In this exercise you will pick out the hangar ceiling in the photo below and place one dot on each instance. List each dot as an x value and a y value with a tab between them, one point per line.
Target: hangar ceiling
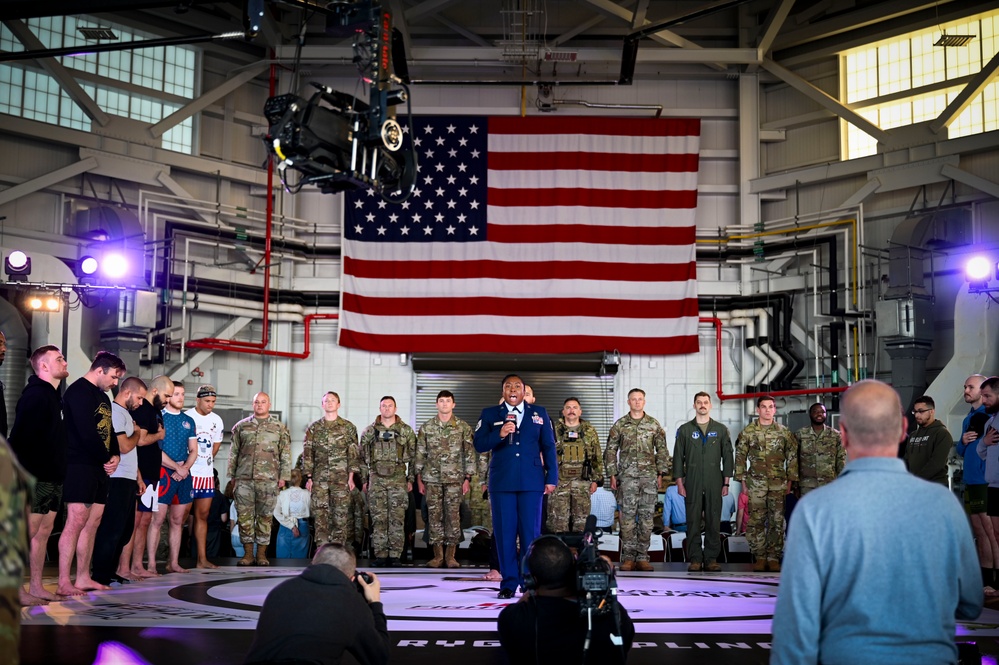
567	42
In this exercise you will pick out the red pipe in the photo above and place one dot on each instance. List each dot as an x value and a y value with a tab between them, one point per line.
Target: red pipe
309	318
225	344
717	323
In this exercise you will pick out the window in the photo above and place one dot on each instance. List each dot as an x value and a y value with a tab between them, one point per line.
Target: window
908	80
33	94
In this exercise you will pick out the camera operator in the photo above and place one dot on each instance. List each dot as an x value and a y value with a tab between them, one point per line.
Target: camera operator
317	616
549	624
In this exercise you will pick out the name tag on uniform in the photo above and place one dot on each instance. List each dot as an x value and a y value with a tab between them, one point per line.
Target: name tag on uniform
712	434
499	424
538	420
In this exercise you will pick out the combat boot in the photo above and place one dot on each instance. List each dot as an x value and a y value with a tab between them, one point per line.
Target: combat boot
627	565
438	557
774	565
247	559
262	556
760	565
449	559
644	566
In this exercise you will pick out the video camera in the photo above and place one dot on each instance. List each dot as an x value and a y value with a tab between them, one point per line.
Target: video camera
596	585
336	141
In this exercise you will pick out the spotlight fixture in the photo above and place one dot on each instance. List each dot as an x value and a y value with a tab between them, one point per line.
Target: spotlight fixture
115	266
17	266
978	271
88	265
44	302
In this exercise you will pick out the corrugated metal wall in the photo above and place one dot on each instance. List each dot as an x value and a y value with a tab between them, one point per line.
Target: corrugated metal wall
474	391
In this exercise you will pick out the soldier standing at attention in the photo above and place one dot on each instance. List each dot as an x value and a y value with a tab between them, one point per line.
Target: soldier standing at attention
577	447
636	459
388	449
445	463
259	463
702	466
329	460
772	454
821	456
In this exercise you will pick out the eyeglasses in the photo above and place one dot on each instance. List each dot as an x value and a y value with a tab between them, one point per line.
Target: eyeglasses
920	411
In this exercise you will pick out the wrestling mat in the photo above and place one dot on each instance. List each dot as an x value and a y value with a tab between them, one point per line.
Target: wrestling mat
208	616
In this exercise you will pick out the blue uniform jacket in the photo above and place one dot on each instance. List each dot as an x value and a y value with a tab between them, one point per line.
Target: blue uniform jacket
517	466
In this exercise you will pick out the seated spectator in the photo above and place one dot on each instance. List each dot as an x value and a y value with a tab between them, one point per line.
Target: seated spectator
320	615
742	515
291	510
546	625
604	506
674	509
728	508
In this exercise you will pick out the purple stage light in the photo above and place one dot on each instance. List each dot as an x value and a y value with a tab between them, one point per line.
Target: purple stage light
978	269
115	266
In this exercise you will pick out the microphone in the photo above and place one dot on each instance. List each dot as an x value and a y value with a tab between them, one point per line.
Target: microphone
511	417
590	529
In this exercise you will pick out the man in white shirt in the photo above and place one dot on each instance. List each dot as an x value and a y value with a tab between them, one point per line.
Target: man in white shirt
209	428
603	505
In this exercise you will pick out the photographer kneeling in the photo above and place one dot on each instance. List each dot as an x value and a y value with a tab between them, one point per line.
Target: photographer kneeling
549	623
318	615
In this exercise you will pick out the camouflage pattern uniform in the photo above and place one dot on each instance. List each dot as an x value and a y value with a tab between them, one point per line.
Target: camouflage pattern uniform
387	461
643	456
482	514
358	524
16	487
772	454
445	459
259	457
821	457
579	465
329	457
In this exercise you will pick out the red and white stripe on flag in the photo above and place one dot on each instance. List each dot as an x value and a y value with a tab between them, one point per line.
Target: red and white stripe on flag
530	235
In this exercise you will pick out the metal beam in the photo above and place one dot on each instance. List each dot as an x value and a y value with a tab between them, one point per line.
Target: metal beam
872	186
774	23
428	7
207	99
828	101
666	37
638	20
176	189
967	95
463	31
971	180
43	181
57	71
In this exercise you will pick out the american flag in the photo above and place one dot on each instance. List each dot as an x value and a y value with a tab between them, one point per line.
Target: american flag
530	235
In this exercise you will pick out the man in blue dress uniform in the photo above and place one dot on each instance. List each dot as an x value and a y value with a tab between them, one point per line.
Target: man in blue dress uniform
522	468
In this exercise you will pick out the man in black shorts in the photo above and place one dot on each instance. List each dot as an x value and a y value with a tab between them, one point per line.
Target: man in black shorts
91	457
149	420
38	438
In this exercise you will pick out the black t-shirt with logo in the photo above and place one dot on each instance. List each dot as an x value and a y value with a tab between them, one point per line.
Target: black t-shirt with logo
150	419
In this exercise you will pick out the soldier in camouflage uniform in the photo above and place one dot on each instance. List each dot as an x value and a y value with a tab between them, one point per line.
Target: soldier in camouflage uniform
16	486
702	466
772	454
259	463
329	460
388	449
821	456
445	463
635	461
579	465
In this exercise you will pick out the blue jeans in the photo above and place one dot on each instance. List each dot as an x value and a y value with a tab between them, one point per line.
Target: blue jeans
290	547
